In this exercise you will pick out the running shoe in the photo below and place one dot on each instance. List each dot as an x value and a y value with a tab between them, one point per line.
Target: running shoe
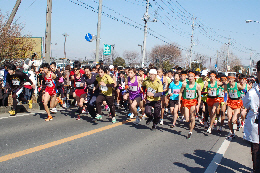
94	120
143	116
84	111
173	125
12	113
154	127
131	115
206	124
78	117
64	105
189	135
165	113
209	130
98	117
49	118
148	121
53	110
114	120
161	122
137	121
166	110
231	136
138	109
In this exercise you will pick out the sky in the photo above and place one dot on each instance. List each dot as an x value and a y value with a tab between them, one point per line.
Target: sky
215	21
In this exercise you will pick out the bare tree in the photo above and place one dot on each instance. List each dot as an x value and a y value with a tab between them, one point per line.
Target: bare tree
165	56
131	58
233	60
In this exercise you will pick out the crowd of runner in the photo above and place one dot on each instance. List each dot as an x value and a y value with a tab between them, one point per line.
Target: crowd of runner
146	94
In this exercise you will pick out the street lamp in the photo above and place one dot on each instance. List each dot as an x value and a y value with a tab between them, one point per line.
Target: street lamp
248	21
141	51
65	36
51	50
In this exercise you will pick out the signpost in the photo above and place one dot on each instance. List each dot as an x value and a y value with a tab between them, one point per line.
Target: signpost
107	49
89	37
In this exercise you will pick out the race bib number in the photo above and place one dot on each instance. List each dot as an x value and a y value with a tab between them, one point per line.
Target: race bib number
15	82
133	88
242	95
49	84
151	90
176	91
221	94
91	86
233	95
190	94
103	88
77	84
212	93
123	85
164	86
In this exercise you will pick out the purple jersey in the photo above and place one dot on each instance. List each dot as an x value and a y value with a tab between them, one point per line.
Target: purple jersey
134	89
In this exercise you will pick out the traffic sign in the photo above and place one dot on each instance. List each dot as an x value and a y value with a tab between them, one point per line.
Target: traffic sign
89	37
107	49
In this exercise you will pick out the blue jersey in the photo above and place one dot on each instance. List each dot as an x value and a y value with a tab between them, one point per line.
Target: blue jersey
175	90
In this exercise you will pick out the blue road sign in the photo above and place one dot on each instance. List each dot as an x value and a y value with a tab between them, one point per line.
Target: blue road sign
89	37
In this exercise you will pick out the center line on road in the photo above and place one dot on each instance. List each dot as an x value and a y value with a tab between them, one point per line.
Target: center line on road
58	142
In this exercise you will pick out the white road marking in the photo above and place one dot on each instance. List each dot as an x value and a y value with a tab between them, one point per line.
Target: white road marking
217	158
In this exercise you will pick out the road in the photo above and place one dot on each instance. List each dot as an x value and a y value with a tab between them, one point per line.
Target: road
29	144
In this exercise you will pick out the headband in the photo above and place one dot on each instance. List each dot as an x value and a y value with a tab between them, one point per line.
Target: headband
232	77
192	73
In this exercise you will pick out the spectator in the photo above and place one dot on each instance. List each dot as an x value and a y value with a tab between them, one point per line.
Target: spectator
251	103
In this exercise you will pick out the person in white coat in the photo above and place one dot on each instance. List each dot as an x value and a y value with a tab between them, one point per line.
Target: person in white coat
251	103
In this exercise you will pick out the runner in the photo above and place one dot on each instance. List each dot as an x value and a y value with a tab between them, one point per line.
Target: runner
79	86
243	82
92	92
154	91
213	97
134	89
164	81
49	94
190	101
59	87
174	90
14	84
106	85
203	111
234	103
222	100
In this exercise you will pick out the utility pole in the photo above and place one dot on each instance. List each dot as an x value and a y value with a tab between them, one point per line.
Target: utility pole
98	30
146	19
191	40
65	36
48	31
10	20
227	54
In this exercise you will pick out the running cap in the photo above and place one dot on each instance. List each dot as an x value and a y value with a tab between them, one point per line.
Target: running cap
153	71
111	67
204	73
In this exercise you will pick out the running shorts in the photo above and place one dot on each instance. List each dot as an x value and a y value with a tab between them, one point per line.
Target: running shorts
189	103
235	104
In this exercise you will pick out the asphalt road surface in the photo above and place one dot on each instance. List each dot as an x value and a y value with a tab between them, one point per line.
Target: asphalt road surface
29	144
